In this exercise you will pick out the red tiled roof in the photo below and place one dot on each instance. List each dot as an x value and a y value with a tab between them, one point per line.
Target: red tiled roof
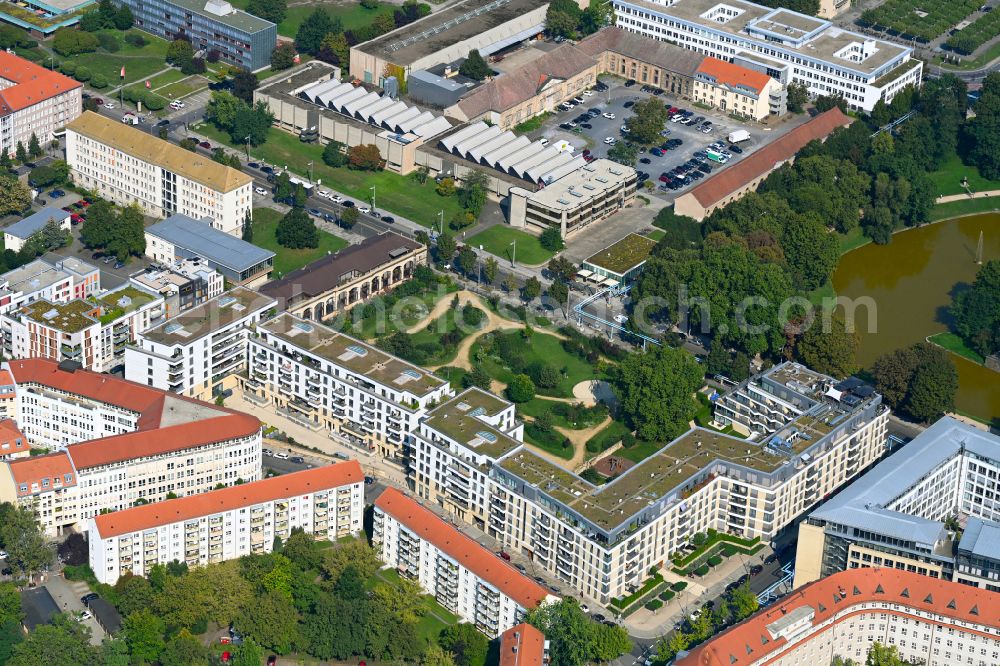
522	645
727	73
34	470
6	385
751	641
32	83
461	548
104	388
11	438
716	188
217	501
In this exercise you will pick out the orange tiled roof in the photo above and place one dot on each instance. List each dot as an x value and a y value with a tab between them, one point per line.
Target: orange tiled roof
6	385
11	438
216	501
751	641
727	73
522	645
32	83
37	469
461	548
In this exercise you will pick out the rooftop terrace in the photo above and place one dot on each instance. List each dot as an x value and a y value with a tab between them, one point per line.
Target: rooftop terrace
208	317
458	420
122	302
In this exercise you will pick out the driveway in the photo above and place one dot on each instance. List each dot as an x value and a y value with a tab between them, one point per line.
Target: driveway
67	596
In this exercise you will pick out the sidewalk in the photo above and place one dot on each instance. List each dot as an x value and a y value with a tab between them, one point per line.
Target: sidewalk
962	197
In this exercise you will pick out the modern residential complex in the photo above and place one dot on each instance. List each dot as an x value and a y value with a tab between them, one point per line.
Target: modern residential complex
125	165
930	508
184	284
179	238
327	381
785	45
462	575
239	38
805	440
35	101
61	282
931	622
91	331
118	443
332	284
326	502
198	352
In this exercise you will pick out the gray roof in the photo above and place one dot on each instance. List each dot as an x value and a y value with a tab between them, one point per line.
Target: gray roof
981	538
38	606
214	245
862	504
29	225
236	18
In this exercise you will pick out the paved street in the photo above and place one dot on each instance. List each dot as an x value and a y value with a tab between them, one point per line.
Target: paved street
67	596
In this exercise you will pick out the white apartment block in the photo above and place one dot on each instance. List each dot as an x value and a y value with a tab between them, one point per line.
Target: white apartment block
91	331
326	502
603	540
462	575
930	622
330	382
126	165
785	45
196	352
117	443
34	100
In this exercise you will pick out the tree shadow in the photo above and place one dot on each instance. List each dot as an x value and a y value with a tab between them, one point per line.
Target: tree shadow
942	314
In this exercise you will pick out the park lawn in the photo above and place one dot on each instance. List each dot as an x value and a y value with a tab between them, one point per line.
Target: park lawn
606	438
435	618
545	349
160	82
656	234
453	376
852	240
964	207
538	406
137	68
183	88
265	223
394	193
551	441
432	333
497	241
948	179
956	345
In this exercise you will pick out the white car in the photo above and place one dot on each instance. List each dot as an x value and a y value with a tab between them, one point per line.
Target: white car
707	129
109	105
609	140
336	198
3	554
608	115
544	142
261	191
677	118
364	209
585	608
85	615
621	319
325	194
281	455
588	93
177	106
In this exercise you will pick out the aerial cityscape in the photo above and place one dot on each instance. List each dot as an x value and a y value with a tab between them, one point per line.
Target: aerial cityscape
500	333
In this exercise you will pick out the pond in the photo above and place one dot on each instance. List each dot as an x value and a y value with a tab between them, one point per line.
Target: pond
911	281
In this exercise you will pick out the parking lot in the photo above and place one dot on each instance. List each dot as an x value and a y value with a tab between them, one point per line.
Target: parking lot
617	101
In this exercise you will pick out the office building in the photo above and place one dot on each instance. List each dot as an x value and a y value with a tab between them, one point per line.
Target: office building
240	39
462	575
738	91
16	235
179	238
805	440
618	264
184	284
594	192
523	645
198	352
326	502
92	331
330	382
786	45
34	100
126	165
930	622
338	281
930	508
116	443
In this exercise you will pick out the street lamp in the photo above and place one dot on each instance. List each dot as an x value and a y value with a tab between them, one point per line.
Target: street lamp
441	222
513	253
373	198
480	257
248	146
310	171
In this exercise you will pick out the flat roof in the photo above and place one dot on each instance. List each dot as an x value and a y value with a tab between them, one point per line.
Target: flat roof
122	301
459	419
353	354
153	150
38	605
71	317
624	255
35	222
579	186
226	14
33	276
209	317
214	245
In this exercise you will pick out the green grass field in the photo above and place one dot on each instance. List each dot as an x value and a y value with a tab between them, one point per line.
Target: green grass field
183	88
394	193
538	406
139	62
965	207
609	436
265	222
948	178
431	335
497	241
435	616
546	349
351	15
956	345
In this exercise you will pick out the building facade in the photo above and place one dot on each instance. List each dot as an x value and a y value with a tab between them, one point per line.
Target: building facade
198	352
737	90
931	622
184	285
239	38
34	100
326	502
462	575
329	382
930	508
16	235
127	165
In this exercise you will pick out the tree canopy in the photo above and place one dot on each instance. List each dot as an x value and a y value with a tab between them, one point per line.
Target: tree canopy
976	310
656	389
919	382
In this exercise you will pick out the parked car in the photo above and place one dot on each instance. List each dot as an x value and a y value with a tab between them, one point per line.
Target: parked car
261	191
388	219
756	569
608	115
119	265
87	598
281	455
629	104
369	480
771	559
84	615
504	555
298	460
206	145
736	149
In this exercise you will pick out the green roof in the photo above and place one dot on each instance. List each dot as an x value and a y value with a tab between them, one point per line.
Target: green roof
458	419
624	255
111	305
71	317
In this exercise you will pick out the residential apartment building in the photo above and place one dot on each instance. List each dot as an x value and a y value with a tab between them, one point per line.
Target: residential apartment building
127	165
326	502
523	645
462	575
92	331
33	281
930	508
602	540
13	443
931	622
330	382
197	352
117	443
183	285
34	100
738	90
240	39
337	281
593	193
785	45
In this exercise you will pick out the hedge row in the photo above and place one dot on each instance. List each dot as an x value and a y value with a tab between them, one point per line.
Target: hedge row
642	601
624	602
718	537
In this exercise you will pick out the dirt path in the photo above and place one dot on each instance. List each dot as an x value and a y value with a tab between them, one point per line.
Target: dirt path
442	306
579	439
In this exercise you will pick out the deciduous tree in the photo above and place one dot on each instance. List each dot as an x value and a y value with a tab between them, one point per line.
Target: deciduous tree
269	10
646	123
297	230
656	389
366	157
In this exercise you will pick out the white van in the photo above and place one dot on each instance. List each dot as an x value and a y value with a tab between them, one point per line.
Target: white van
738	136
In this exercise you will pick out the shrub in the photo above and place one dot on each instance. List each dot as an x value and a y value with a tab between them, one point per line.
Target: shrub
67	67
99	81
80	572
667	595
714	561
109	42
699	539
728	551
153	101
83	74
701	571
653	605
135	39
679	585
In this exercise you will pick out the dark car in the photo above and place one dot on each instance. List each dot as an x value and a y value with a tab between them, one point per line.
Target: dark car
162	123
504	555
206	145
347	203
316	212
298	460
645	160
697	175
119	265
98	101
657	92
565	126
656	151
705	167
540	580
771	559
253	165
664	178
87	598
629	104
388	219
597	617
586	126
736	149
520	567
630	83
369	480
57	193
267	169
756	569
